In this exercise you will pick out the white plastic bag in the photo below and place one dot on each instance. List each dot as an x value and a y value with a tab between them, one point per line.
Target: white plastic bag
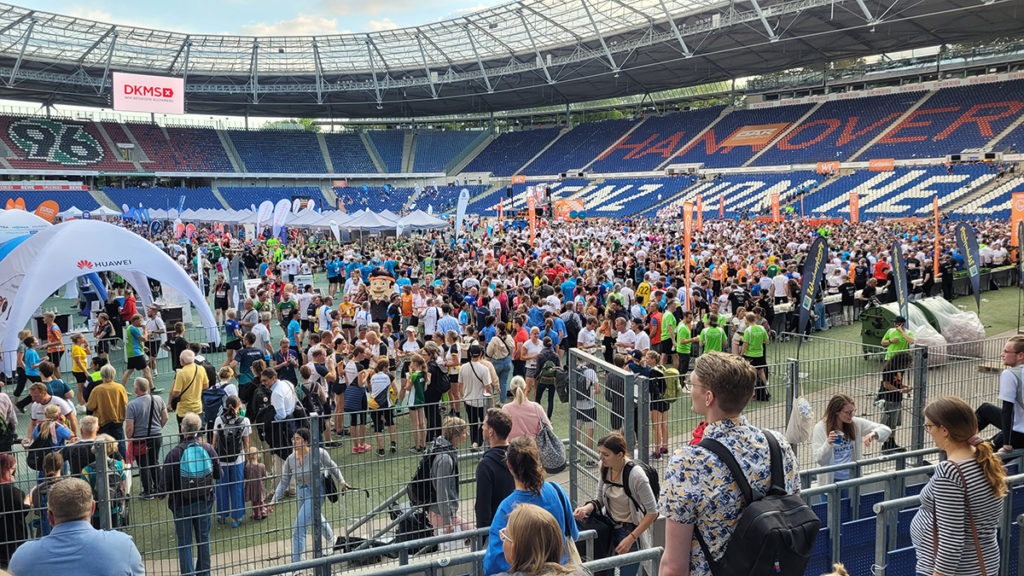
801	422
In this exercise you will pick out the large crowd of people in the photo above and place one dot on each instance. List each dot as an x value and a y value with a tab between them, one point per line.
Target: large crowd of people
466	333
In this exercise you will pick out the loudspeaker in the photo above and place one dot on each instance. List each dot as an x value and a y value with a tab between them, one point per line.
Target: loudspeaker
990	155
579	175
508	192
562	175
954	157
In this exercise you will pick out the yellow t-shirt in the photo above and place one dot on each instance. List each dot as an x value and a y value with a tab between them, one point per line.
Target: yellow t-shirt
192	391
78	353
643	292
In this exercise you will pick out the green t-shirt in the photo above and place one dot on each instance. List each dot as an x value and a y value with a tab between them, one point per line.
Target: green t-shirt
754	337
711	338
668	326
215	252
285	306
900	343
772	271
683	336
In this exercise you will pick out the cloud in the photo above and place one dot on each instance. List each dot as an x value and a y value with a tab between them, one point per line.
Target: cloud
464	11
106	17
382	24
301	25
347	7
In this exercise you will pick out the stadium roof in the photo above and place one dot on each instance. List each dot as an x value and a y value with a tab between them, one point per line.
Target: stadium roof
521	54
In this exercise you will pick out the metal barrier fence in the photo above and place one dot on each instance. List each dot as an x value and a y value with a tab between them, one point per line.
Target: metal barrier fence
886	527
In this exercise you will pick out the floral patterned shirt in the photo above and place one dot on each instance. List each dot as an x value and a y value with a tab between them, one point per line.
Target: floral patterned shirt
700	490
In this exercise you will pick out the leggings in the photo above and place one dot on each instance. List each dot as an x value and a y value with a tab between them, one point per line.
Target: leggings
550	388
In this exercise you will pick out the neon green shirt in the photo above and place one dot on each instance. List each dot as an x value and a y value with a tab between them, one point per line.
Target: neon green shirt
668	326
754	337
683	336
900	343
711	338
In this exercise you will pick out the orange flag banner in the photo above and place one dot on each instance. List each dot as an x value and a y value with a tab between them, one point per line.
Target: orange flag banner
48	210
775	207
854	207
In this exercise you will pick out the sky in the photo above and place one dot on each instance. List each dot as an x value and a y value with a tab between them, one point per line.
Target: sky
264	17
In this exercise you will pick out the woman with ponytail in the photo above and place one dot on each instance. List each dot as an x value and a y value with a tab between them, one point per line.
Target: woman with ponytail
523	462
954	531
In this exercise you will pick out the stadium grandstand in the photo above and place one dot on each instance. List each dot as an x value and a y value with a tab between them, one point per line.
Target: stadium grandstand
759	114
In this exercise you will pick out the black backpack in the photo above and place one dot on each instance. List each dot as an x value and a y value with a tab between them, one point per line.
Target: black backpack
421	489
652	479
38	450
230	439
774	534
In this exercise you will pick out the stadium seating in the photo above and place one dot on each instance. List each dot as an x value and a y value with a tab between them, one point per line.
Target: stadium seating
389	144
163	198
509	151
952	120
436	148
654	141
744	194
993	204
375	198
199	150
838	129
348	154
159	152
902	192
243	197
279	152
577	147
749	130
64	198
47	144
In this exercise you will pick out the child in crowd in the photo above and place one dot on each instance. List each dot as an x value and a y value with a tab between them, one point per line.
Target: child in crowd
416	384
254	475
356	407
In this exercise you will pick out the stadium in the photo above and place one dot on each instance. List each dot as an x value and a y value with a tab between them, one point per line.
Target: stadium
578	120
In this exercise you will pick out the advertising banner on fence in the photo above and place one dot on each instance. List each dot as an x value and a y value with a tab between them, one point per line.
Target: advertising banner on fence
828	167
854	207
775	207
145	93
899	276
967	243
1016	214
882	165
814	267
757	136
518	179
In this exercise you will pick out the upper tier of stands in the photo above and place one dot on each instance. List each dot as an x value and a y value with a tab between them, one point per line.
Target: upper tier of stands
375	198
199	150
389	144
348	154
436	148
243	197
953	120
64	198
654	141
509	151
577	147
279	152
44	144
165	198
741	195
838	129
740	135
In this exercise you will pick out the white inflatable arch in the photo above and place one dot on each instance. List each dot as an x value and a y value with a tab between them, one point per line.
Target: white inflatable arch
52	257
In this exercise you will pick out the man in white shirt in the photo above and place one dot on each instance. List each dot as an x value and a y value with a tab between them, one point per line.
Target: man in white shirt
282	398
431	314
587	339
156	329
625	340
262	333
642	341
323	314
628	296
353	283
303	300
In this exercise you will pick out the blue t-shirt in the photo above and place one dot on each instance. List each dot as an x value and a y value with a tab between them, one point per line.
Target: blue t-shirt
489	332
31	357
333	268
403	282
231	328
534	317
552	498
136	339
553	334
352	266
365	271
568	289
57	387
294	329
559	325
63	434
390	265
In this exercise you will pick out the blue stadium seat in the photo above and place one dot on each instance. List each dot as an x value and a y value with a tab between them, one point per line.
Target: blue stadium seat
903	520
744	194
436	148
164	198
348	154
867	502
389	144
281	152
577	147
654	141
243	197
858	552
510	150
914	489
712	149
821	554
901	562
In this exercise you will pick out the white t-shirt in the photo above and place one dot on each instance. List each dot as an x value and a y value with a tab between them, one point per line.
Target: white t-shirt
587	339
38	409
643	342
532	349
323	318
627	339
303	300
262	335
380	382
1008	385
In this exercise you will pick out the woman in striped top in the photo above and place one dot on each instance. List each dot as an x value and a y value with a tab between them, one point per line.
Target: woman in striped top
968	533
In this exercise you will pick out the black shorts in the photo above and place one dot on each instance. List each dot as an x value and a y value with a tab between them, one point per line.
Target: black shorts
220	303
756	361
587	415
659	406
338	389
334	280
80	377
234	345
667	347
153	347
382	417
306	325
102	346
137	363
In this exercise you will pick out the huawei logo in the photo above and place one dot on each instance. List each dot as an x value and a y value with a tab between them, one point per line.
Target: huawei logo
83	264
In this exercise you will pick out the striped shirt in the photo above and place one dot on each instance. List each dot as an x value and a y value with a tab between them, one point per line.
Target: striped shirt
943	499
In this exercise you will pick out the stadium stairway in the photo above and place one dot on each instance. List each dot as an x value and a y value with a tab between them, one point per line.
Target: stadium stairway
656	208
882	133
102	199
229	147
561	133
216	194
993	144
112	148
371	149
696	137
783	134
458	163
329	196
408	151
614	144
979	193
323	150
